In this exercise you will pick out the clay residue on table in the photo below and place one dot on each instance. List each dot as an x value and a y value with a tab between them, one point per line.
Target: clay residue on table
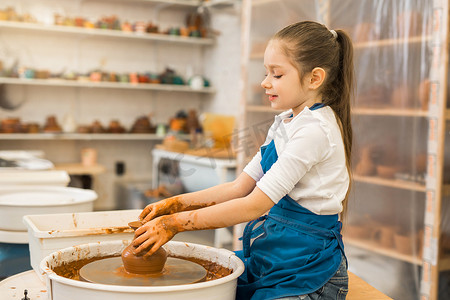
98	231
74	218
71	270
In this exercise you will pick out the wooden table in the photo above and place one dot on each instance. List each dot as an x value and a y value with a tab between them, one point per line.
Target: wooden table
84	172
358	289
79	169
13	287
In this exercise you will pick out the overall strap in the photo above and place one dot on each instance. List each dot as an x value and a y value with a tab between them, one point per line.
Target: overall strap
304	227
249	233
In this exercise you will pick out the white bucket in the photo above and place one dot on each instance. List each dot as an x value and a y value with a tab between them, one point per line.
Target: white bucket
61	288
18	201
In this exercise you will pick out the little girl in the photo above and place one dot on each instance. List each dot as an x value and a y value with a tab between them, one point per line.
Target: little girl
301	175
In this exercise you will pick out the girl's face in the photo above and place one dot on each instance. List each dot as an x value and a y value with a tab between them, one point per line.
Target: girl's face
282	81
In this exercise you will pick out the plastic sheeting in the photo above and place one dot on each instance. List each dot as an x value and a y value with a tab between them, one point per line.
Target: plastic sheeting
384	227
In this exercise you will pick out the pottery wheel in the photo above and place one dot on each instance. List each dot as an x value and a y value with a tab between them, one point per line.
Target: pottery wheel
111	271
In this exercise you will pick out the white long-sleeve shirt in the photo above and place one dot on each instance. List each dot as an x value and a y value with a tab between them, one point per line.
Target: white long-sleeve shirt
311	166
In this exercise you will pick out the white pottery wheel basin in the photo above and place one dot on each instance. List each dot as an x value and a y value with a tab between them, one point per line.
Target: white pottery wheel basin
61	288
18	201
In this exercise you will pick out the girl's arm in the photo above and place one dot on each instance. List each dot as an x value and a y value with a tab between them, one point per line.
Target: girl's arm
157	232
240	187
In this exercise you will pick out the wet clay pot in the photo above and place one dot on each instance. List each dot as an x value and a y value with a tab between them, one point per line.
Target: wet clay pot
140	264
143	265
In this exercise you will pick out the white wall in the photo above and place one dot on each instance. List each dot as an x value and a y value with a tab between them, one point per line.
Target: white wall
59	52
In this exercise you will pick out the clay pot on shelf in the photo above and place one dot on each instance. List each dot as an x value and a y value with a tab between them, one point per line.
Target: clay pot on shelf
402	96
51	125
424	94
360	231
419	243
404	243
387	172
377	96
365	166
384	235
97	127
142	125
33	128
88	157
365	31
409	24
115	127
83	129
421	163
11	125
69	124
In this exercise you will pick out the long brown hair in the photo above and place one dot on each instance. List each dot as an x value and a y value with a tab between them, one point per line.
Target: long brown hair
309	45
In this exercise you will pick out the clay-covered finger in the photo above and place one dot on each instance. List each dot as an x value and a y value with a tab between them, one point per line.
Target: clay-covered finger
150	216
145	212
145	245
154	248
139	231
140	239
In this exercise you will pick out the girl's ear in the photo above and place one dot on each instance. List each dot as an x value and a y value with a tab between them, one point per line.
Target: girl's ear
317	78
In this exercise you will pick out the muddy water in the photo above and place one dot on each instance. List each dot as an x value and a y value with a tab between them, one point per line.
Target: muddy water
71	270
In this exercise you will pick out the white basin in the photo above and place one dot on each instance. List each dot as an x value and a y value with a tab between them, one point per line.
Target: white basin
61	288
18	201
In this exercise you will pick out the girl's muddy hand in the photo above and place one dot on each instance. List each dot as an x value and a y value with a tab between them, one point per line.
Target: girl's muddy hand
153	234
164	207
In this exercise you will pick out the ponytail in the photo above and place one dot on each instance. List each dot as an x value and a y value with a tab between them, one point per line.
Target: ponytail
345	83
309	45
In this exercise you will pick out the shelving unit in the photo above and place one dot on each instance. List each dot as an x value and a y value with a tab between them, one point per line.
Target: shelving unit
87	136
390	112
105	85
80	136
95	32
67	49
393	183
399	128
372	246
370	44
186	3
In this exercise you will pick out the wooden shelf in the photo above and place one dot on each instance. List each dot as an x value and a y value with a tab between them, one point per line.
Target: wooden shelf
81	136
79	169
390	112
363	45
262	108
394	183
374	247
359	111
444	264
261	2
392	42
186	3
157	37
446	190
105	85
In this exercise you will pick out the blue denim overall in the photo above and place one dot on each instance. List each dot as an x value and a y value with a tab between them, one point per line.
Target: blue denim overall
296	253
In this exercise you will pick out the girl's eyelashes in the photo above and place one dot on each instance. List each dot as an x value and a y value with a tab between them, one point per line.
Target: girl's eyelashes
275	76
